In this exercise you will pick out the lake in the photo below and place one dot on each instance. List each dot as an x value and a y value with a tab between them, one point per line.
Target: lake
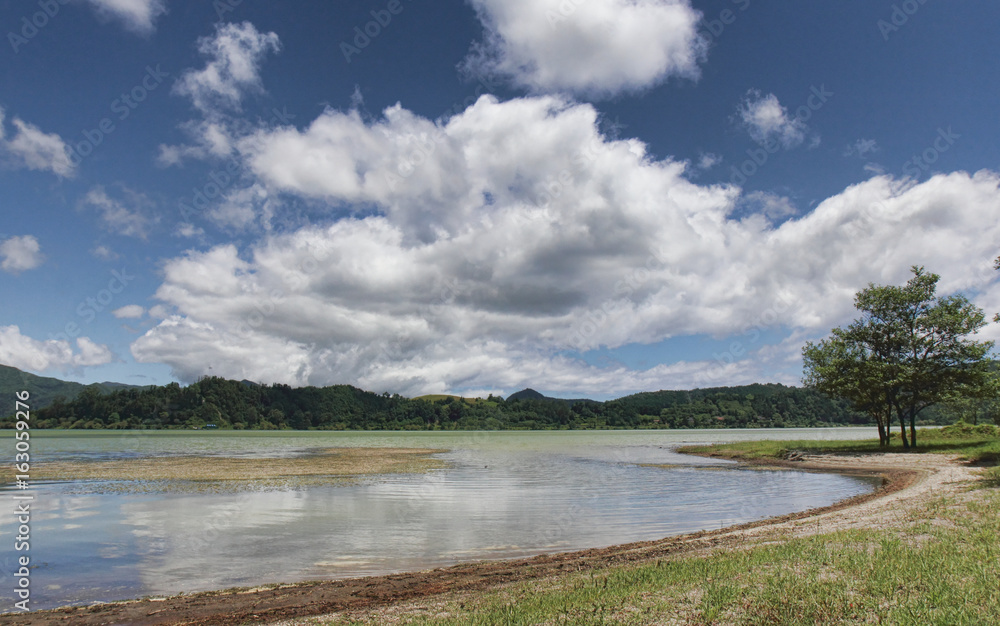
503	495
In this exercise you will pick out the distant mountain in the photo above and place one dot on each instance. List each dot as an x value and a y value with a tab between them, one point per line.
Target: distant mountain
531	394
43	390
526	394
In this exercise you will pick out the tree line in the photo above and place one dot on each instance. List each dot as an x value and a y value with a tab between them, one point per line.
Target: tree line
227	404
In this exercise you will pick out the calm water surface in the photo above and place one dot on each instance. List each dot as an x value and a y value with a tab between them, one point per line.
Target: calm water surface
503	495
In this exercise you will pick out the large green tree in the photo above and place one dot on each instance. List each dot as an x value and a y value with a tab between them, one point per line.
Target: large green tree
908	350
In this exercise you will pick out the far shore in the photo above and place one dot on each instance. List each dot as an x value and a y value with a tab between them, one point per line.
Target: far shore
908	480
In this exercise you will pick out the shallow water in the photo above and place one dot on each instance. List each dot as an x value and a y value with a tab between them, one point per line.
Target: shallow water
504	494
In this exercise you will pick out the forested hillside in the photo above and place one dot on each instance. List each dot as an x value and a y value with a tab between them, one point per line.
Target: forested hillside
243	405
44	390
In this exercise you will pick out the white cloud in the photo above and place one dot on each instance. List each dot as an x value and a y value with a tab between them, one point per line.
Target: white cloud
189	231
770	205
104	253
119	218
708	160
494	242
129	311
233	68
766	120
23	352
211	139
594	47
20	254
34	149
137	15
862	148
243	208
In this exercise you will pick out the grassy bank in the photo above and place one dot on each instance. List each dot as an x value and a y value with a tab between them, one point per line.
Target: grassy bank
974	444
936	562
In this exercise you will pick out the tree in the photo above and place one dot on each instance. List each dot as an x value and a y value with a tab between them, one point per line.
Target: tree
971	404
910	349
844	367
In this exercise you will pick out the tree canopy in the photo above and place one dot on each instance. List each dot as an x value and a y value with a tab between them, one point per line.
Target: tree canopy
910	349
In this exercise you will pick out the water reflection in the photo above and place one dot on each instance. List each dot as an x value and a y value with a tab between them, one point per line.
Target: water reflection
504	495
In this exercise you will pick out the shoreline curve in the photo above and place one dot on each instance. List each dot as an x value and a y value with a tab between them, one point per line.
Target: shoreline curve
903	477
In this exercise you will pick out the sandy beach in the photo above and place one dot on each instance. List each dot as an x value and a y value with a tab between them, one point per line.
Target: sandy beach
908	482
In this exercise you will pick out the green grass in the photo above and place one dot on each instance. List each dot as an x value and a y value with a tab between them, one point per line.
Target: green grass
941	565
974	444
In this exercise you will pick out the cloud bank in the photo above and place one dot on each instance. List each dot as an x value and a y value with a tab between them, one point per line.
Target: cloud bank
498	244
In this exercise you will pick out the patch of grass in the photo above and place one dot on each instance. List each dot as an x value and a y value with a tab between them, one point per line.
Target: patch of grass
975	446
940	565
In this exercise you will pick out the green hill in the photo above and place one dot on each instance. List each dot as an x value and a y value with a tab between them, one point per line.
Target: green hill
43	390
531	394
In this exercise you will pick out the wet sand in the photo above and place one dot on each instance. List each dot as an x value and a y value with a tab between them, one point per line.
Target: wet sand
217	473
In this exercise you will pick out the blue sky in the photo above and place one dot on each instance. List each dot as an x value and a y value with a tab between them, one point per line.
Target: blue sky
588	197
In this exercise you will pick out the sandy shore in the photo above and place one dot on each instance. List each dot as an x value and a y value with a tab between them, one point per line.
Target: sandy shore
909	481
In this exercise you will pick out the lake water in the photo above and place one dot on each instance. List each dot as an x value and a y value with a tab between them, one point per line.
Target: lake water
504	494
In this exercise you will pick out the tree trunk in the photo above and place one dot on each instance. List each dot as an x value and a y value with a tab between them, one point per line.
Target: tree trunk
913	427
883	439
902	428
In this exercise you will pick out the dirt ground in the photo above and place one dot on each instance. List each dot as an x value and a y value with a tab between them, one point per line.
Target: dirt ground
908	481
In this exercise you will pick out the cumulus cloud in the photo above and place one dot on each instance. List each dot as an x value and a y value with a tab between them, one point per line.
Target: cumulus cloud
234	55
597	47
34	149
496	244
137	15
23	352
129	311
766	120
130	220
20	254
